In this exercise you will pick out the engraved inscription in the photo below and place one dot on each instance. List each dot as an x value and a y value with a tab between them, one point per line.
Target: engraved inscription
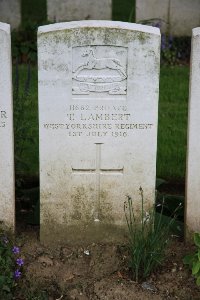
3	117
99	121
99	70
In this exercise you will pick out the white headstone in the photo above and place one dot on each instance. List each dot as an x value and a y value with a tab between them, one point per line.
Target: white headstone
184	15
10	12
7	197
98	107
153	11
178	17
72	10
193	150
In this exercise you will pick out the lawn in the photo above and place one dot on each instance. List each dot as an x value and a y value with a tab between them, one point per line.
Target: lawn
172	123
26	121
173	102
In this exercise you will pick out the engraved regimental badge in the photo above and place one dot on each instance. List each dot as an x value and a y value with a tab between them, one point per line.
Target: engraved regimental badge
99	71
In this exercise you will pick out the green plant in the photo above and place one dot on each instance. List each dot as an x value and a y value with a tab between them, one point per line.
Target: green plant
10	267
172	201
193	260
169	53
148	238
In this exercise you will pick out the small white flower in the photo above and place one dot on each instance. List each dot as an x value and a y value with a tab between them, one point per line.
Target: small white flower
146	219
87	252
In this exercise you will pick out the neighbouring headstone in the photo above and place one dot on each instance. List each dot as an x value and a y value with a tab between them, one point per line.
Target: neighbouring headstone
153	11
193	150
72	10
177	17
10	12
98	108
184	15
7	196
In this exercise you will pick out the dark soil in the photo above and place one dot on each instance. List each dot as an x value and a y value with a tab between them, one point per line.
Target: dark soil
99	272
173	188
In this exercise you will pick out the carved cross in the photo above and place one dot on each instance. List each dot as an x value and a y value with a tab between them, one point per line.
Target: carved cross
98	171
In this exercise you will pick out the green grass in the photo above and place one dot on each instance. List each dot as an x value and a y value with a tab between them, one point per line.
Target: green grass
26	117
174	82
172	125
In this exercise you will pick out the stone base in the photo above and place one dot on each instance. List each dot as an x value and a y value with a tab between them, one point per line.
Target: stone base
87	234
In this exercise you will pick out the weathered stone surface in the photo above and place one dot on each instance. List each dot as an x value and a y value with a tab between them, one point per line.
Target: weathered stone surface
72	10
178	16
184	15
10	12
98	101
7	204
147	10
193	149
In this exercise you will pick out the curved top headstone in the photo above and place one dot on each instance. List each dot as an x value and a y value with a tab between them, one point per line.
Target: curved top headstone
10	12
195	31
98	24
98	108
5	27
